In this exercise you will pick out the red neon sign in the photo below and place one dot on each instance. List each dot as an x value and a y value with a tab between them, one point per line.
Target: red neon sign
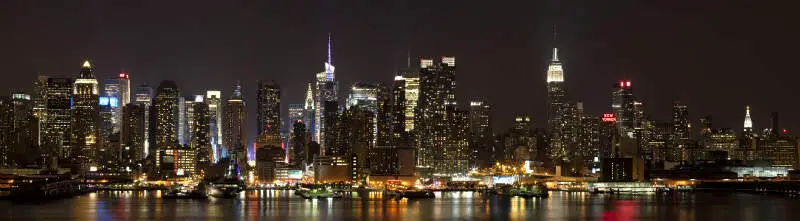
609	117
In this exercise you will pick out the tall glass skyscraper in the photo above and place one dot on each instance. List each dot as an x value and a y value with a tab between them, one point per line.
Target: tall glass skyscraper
326	90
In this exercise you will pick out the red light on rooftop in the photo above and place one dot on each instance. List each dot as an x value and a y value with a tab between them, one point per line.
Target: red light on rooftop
628	84
621	84
785	131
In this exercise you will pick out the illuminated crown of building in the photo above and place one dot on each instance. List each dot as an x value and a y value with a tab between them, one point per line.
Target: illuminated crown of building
748	123
555	71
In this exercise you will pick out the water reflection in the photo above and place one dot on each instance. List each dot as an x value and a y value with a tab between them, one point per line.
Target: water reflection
285	205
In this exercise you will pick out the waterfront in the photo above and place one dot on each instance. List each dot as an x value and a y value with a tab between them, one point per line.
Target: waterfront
285	205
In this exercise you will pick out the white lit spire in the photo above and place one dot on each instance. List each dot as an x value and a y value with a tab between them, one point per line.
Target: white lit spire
555	54
748	123
309	98
86	64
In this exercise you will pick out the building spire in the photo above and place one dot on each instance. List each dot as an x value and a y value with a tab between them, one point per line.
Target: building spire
309	98
748	123
330	59
555	39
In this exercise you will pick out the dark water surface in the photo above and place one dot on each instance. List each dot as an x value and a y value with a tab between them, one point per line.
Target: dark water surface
284	205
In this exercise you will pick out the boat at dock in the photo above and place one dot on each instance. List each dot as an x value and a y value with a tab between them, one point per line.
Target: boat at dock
186	192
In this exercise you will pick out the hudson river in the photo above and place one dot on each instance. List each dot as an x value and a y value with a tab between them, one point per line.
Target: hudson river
285	205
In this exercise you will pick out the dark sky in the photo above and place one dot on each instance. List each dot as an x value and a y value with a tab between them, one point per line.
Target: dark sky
715	55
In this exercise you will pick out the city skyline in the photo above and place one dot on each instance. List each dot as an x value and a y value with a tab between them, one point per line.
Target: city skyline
586	80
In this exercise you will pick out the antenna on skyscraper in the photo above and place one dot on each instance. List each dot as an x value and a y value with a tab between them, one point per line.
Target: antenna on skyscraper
330	59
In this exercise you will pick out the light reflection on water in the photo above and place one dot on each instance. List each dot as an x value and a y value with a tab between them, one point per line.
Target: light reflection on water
285	205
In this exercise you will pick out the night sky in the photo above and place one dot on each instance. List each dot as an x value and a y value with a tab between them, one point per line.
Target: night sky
716	56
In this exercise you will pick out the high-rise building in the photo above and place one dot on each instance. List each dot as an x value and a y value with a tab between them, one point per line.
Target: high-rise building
400	135
437	121
296	114
331	117
556	94
85	118
25	141
112	114
365	95
164	120
480	132
326	90
201	133
234	127
214	101
185	117
124	88
383	117
310	113
268	107
144	96
132	136
680	121
299	145
411	96
55	96
622	104
6	130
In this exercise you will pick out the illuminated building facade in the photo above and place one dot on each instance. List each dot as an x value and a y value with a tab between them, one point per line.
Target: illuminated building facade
397	114
481	139
25	135
6	130
201	132
234	132
214	101
748	123
622	104
438	122
556	95
326	90
132	136
268	106
144	95
310	113
85	118
164	118
56	119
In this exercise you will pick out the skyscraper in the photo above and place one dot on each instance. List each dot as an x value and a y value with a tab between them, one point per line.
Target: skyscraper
164	118
680	121
144	96
383	117
365	95
132	136
411	96
112	114
436	120
268	106
622	104
85	118
310	113
201	133
296	114
214	101
25	141
556	107
234	127
56	119
6	130
400	136
326	90
480	132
